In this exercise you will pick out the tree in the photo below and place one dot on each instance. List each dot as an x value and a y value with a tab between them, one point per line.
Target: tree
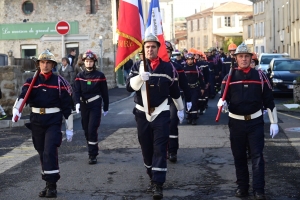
235	40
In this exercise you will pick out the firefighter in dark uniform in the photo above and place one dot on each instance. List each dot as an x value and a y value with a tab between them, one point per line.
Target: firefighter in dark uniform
248	91
218	67
153	117
228	61
49	100
179	59
213	72
183	85
196	84
90	91
203	98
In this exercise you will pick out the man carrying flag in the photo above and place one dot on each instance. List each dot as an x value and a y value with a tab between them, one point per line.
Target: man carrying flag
154	26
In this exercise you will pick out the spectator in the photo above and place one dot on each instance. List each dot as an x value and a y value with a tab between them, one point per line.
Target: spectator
3	114
79	67
126	68
274	51
71	57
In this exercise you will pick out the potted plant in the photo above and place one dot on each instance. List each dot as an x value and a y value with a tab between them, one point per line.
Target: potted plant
296	90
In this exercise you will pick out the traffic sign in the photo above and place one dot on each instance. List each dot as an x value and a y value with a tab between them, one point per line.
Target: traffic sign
62	27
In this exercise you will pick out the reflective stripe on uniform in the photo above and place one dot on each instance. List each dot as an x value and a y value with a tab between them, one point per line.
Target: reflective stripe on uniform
92	142
147	166
159	169
51	172
173	136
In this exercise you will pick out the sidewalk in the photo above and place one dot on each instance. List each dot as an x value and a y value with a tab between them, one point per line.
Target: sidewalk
115	94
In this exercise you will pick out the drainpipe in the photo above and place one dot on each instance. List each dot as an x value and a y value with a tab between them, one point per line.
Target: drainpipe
274	25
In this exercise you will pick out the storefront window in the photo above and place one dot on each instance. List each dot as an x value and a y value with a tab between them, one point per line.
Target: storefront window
27	7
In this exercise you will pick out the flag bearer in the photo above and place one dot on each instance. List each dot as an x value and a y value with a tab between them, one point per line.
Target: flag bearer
153	123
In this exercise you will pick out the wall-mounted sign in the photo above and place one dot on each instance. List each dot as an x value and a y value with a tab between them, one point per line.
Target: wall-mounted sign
32	30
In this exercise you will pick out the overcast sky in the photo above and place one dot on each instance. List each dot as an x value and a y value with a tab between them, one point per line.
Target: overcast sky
184	8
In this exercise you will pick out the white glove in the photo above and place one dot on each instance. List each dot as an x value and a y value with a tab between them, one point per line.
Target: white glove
188	105
16	113
105	113
69	134
274	130
77	107
180	114
145	76
223	104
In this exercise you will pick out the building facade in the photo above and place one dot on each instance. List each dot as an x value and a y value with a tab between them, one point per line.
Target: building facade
210	27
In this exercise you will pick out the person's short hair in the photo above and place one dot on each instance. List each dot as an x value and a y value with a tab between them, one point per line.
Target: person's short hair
66	59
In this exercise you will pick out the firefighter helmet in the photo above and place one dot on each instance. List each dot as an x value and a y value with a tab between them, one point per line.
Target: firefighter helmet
169	46
47	55
232	47
90	55
242	48
189	56
151	38
177	52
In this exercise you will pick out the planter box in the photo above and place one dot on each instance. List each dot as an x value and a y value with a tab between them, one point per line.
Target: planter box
296	92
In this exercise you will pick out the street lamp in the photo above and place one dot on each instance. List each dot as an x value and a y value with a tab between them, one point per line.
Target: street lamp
101	59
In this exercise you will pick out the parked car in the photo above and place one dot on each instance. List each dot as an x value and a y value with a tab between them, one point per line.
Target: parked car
283	71
265	59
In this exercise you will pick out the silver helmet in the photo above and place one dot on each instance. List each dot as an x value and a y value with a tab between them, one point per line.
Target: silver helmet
151	38
47	55
242	48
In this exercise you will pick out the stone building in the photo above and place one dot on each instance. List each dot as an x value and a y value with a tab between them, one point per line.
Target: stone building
28	28
210	27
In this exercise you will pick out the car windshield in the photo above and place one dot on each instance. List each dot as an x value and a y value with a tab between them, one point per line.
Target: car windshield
287	65
267	59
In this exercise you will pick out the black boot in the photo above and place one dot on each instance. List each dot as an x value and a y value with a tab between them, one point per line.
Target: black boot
92	160
150	187
194	122
173	157
51	191
157	191
189	121
241	193
43	192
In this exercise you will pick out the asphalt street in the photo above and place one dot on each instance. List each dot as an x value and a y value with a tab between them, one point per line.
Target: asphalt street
204	169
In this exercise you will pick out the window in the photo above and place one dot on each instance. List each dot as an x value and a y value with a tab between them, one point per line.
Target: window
198	24
27	7
192	42
162	13
255	9
91	7
28	51
262	29
227	21
191	25
262	49
198	41
205	39
262	6
249	31
205	23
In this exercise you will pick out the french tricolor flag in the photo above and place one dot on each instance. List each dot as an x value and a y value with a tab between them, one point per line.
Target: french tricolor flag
130	29
154	26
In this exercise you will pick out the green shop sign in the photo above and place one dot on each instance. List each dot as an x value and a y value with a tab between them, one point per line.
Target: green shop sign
32	30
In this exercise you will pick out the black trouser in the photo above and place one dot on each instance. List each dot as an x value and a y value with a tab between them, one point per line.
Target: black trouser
173	137
192	113
211	80
241	132
90	120
153	138
46	138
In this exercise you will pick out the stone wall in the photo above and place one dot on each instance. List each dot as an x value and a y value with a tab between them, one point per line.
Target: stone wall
12	79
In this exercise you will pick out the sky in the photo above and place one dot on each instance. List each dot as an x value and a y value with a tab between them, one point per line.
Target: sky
184	8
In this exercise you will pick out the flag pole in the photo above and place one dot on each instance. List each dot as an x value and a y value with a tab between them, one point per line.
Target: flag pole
146	82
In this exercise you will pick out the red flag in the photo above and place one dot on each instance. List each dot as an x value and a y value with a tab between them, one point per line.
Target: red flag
130	30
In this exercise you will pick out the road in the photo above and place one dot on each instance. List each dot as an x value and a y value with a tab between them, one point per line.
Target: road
204	169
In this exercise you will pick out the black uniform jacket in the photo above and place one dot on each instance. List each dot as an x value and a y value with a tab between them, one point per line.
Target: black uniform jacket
48	94
163	83
183	83
194	75
248	92
203	65
89	84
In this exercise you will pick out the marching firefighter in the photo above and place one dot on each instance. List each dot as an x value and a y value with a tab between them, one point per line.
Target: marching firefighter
213	72
229	60
203	98
183	85
153	115
248	91
196	83
90	91
179	59
49	100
